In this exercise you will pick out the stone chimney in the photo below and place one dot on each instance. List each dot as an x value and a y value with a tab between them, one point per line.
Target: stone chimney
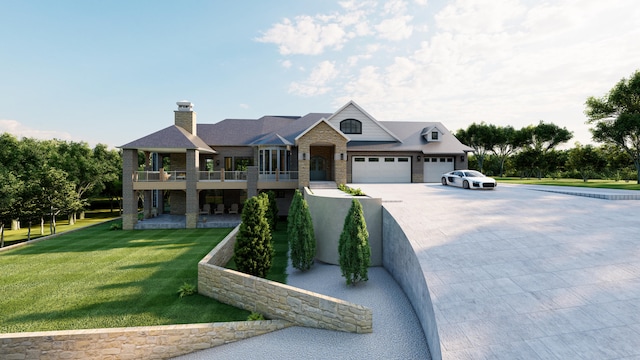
185	116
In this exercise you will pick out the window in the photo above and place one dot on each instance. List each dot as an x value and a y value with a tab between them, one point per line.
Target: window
374	159
403	159
389	159
351	126
434	135
427	159
449	159
358	159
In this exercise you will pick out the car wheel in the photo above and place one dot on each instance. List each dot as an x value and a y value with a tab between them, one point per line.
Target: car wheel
444	181
465	184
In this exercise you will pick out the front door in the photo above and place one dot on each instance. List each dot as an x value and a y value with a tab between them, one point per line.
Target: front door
317	169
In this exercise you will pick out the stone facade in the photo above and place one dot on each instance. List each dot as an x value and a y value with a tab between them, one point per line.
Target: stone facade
147	342
186	120
322	134
275	300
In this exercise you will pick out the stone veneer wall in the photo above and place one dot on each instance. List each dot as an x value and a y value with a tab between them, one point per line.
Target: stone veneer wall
145	342
402	263
275	300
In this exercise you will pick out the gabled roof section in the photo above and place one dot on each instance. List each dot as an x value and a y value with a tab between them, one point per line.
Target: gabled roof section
323	120
170	139
372	129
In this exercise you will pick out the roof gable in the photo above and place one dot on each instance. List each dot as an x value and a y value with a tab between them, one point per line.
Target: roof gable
323	120
372	129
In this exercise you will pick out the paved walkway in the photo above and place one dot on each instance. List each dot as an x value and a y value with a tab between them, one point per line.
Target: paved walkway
522	274
397	334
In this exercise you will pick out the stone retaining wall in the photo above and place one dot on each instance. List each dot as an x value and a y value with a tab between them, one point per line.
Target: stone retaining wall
275	300
146	342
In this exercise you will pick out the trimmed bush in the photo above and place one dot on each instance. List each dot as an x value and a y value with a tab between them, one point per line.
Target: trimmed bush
253	250
353	248
302	241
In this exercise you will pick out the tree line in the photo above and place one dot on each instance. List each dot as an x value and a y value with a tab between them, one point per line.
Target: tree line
532	151
41	179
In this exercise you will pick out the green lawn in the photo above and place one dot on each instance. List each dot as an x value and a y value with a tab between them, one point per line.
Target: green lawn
91	217
95	278
606	184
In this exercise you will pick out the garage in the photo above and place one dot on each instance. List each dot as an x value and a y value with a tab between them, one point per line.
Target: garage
381	169
434	167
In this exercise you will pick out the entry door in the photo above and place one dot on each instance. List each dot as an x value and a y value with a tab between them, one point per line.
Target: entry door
317	169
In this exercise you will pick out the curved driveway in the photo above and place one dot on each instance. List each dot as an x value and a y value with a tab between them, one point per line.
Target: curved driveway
521	274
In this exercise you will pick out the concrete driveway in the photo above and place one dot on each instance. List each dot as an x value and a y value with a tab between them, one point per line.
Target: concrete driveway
518	273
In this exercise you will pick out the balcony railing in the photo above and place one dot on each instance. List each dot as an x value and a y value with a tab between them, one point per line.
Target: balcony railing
222	176
278	176
151	176
144	176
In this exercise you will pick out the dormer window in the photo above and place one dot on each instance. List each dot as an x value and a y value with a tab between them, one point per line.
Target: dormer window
434	135
351	126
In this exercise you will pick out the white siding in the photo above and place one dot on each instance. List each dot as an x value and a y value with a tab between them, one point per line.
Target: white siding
371	131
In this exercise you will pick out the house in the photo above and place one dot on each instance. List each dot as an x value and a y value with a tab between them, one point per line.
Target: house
189	165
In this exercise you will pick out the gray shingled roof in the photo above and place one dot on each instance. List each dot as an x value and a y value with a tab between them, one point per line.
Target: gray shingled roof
170	139
410	133
268	130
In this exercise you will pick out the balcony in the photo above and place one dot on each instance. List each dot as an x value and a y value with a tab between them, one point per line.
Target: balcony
213	176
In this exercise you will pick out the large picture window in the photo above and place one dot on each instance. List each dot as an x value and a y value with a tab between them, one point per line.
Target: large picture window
351	126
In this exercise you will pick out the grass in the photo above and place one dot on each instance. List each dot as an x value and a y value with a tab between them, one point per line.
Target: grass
97	278
279	263
602	184
91	217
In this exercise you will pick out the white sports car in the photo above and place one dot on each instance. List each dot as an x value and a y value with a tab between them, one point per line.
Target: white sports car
468	179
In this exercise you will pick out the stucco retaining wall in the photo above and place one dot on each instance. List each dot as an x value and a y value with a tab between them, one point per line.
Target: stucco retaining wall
328	214
402	263
275	300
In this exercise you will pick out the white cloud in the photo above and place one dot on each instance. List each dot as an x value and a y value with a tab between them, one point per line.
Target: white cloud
19	130
316	83
244	106
306	35
396	28
286	64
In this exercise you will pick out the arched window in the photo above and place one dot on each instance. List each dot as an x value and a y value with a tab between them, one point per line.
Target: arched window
351	126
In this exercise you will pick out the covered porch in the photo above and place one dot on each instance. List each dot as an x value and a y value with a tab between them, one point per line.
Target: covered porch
168	221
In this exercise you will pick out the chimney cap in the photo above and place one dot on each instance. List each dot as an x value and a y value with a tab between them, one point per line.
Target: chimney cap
185	105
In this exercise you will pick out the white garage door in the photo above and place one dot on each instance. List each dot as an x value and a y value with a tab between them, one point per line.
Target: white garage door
377	169
434	167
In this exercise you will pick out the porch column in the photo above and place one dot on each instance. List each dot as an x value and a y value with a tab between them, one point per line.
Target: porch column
129	198
304	156
192	201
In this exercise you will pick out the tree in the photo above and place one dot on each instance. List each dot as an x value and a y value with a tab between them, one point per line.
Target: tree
353	247
616	117
506	141
586	160
10	187
539	143
253	250
272	210
302	241
480	138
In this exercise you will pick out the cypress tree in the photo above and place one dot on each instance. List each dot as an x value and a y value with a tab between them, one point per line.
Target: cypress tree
353	248
272	210
302	241
253	250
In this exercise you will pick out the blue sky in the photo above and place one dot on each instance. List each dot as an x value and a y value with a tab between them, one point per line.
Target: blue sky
111	71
